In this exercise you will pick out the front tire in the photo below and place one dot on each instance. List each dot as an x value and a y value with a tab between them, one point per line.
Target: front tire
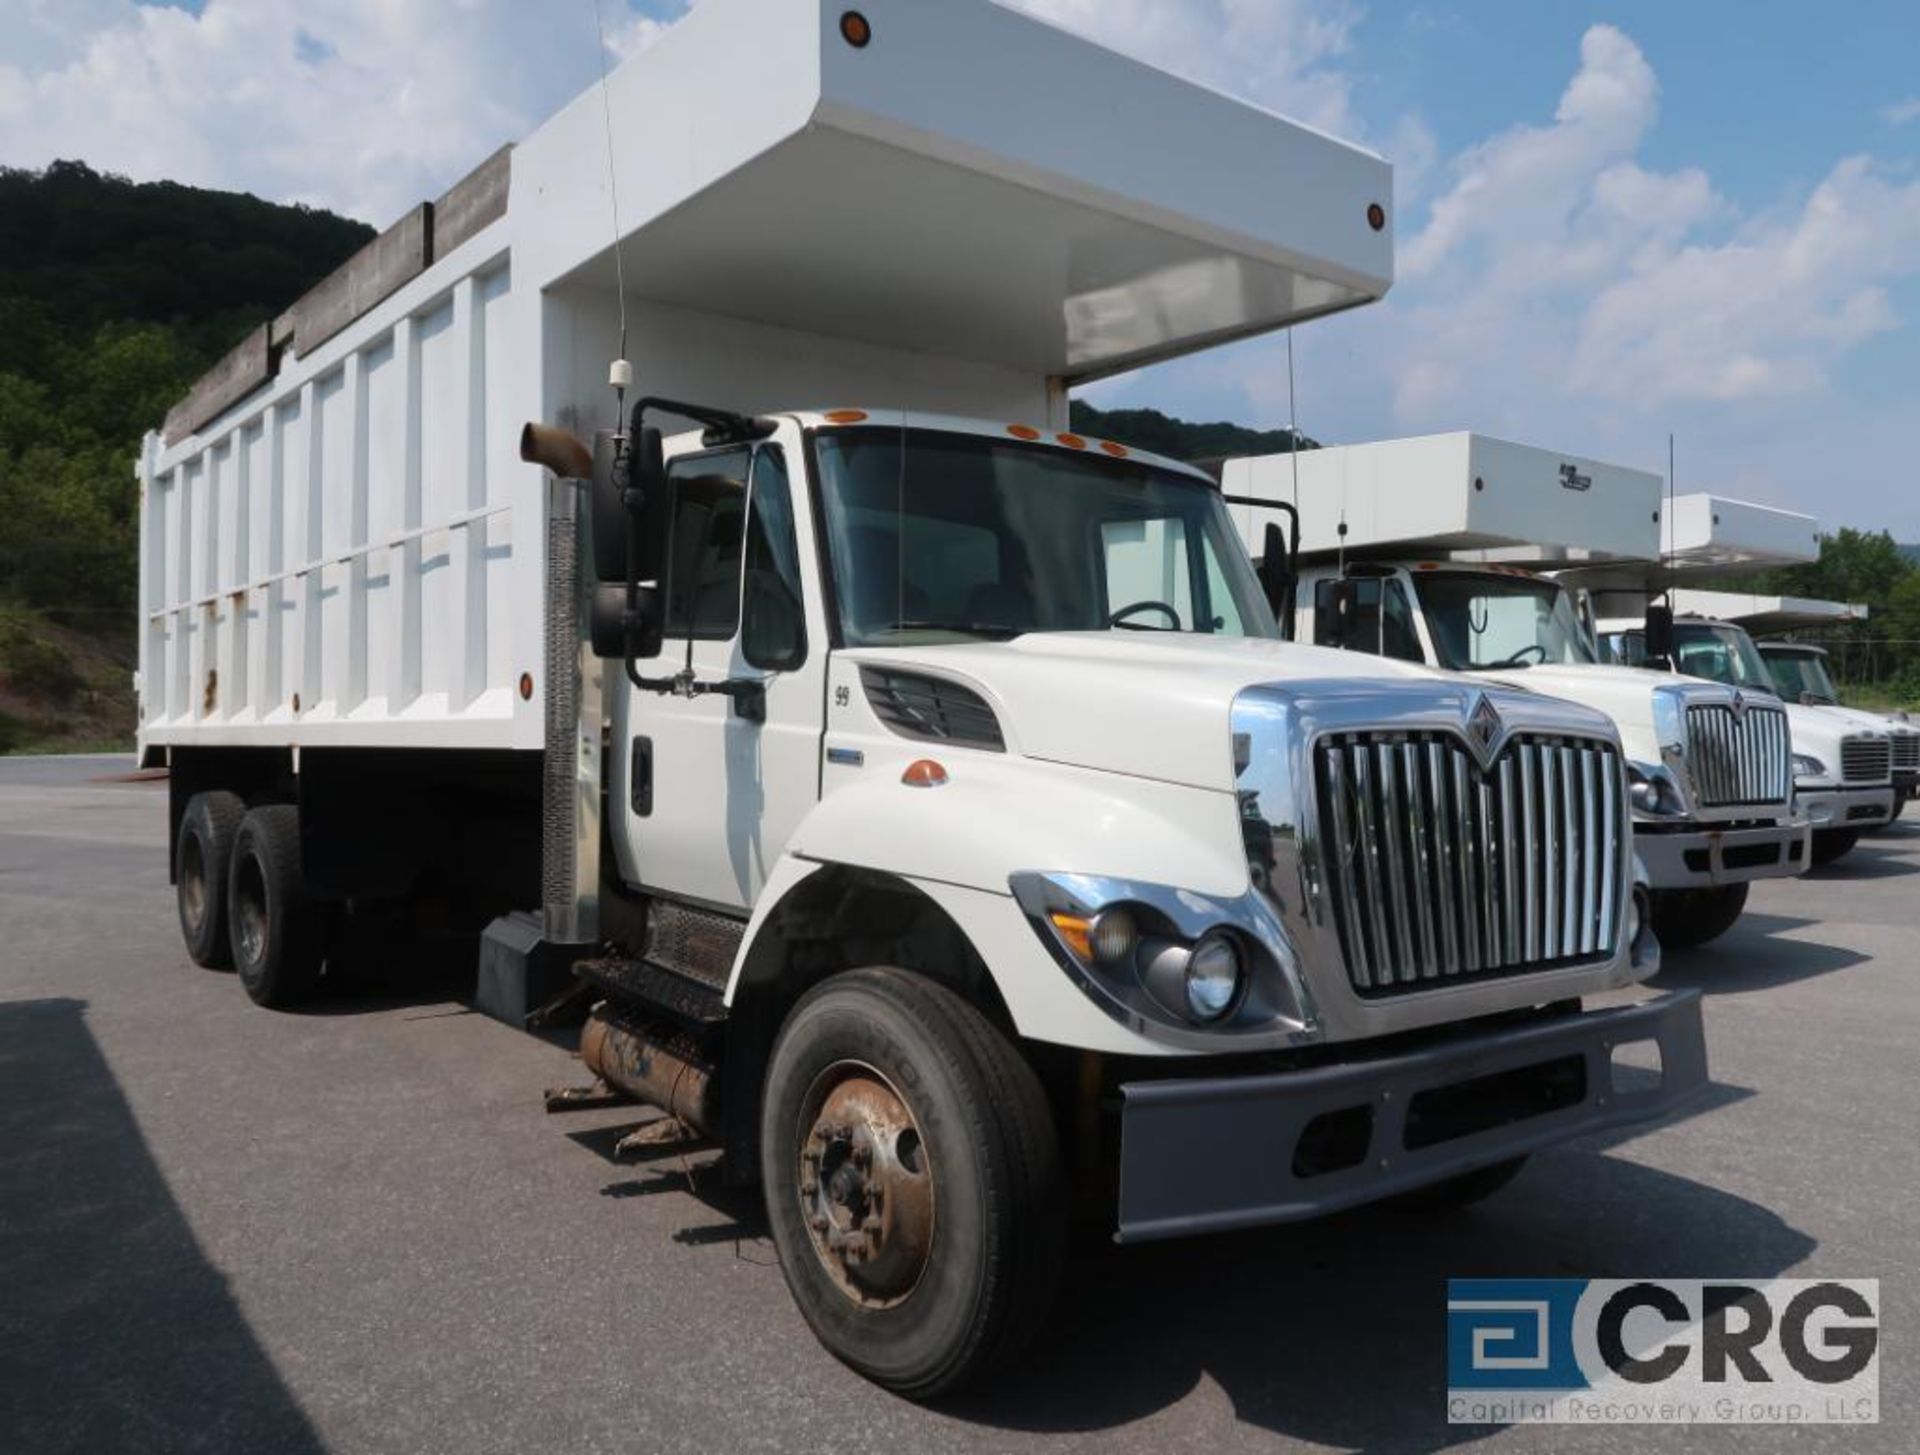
202	857
275	930
1684	919
912	1181
1831	844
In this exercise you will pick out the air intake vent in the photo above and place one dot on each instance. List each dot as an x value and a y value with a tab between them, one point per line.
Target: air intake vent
932	709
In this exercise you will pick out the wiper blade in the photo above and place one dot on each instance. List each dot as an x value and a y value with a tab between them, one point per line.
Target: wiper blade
994	630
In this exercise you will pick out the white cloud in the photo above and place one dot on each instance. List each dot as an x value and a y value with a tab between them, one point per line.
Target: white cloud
365	106
1901	112
1282	54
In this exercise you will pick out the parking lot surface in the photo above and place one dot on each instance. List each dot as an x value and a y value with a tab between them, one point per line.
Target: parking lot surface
355	1229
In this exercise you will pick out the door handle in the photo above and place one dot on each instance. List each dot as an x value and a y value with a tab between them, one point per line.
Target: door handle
640	777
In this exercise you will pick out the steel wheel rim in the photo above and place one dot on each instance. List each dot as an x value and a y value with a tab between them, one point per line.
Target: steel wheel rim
193	882
249	912
864	1179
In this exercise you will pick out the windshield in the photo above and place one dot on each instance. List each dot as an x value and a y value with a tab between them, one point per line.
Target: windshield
1800	675
1480	620
1720	654
940	537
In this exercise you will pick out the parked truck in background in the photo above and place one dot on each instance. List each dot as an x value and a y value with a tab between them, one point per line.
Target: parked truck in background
1434	550
1799	672
920	791
1842	759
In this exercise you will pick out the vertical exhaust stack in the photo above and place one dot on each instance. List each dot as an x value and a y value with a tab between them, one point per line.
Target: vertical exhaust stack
570	777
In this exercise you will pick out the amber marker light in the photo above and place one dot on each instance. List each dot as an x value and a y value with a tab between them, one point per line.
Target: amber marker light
1023	431
924	773
1074	929
1119	452
1071	441
855	29
845	416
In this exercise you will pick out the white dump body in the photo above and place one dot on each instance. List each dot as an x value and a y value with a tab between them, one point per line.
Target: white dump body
1710	533
340	544
1763	614
1463	494
1704	536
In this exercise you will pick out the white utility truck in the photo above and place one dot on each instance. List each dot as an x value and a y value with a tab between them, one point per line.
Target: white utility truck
1799	672
920	791
1432	549
1842	760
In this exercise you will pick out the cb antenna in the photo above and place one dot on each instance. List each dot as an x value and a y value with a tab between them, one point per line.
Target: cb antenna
1667	527
619	372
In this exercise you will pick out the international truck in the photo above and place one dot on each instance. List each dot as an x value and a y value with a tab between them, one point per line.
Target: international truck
1799	672
1842	761
915	798
1442	549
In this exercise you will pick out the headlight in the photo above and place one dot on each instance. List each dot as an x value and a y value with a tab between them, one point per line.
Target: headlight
1652	791
1213	978
1669	719
1807	766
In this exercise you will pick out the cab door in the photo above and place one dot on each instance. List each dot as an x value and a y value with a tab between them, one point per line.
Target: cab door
710	789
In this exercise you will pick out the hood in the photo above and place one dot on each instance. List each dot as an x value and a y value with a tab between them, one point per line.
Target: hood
1819	730
1150	704
1624	694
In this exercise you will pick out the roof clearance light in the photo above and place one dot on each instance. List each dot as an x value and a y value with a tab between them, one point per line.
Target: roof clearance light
855	30
1023	431
1376	216
1071	441
924	773
1119	452
845	416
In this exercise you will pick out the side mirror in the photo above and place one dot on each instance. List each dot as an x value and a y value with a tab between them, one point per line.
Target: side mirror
1277	577
1342	600
630	508
1660	633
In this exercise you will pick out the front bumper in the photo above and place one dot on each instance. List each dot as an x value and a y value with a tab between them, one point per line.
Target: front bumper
1690	856
1209	1155
1846	808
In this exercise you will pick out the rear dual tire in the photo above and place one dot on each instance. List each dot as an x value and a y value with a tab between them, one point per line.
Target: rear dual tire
275	930
203	855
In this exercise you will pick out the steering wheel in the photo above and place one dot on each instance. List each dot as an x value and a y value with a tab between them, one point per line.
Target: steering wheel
1126	611
1539	655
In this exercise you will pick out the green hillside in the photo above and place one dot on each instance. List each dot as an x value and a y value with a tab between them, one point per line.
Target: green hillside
114	297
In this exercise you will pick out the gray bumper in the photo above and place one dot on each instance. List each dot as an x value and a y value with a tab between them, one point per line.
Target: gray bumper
1846	808
1705	858
1208	1155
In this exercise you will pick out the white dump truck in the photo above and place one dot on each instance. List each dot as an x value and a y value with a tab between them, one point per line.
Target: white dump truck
1799	671
1842	760
1437	550
914	797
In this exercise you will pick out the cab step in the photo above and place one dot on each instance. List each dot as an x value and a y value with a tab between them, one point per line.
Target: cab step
652	987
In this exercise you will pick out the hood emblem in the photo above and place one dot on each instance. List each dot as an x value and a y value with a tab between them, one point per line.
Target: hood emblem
1486	730
1739	706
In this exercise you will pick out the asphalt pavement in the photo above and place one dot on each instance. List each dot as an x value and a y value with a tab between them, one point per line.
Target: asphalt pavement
354	1229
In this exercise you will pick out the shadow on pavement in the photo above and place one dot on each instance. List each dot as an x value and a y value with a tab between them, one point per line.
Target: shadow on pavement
1869	859
115	1331
1755	956
1332	1331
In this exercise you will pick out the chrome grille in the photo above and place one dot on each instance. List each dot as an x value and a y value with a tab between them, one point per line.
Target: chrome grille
1865	760
1436	871
1906	751
1736	758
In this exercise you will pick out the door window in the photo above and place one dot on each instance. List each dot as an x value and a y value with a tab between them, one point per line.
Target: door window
1380	621
735	566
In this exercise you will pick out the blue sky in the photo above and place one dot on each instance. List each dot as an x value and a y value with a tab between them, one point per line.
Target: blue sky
1614	219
